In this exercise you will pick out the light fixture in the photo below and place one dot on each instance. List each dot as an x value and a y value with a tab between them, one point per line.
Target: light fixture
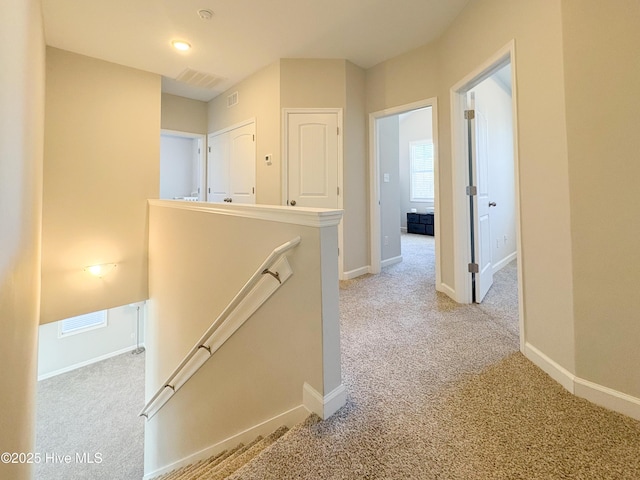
205	14
181	45
100	270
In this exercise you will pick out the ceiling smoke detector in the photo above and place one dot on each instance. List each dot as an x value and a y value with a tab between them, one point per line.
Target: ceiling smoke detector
205	14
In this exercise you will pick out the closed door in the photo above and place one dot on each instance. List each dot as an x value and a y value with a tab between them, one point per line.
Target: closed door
242	164
232	165
218	168
481	202
312	149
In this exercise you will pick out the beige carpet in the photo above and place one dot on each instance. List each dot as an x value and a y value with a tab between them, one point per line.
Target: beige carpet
93	411
438	390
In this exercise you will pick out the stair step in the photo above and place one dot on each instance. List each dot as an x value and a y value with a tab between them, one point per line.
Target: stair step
232	465
225	463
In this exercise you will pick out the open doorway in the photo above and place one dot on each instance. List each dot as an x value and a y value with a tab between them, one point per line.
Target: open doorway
485	161
182	166
404	182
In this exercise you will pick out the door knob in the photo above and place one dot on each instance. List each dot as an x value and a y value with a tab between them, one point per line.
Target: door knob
292	203
492	204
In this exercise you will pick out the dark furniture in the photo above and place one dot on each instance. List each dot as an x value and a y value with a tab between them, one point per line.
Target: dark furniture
421	223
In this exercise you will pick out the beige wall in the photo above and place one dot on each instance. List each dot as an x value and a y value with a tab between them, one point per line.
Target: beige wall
101	164
21	137
183	114
191	283
602	69
484	27
259	98
318	83
356	211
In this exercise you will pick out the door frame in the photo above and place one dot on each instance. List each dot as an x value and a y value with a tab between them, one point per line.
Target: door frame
374	182
460	174
202	185
285	168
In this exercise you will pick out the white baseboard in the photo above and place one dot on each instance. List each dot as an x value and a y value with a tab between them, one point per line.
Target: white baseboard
356	273
504	262
391	261
75	366
604	396
447	290
325	406
288	418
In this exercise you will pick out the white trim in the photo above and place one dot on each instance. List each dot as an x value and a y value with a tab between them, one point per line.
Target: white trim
461	234
391	261
288	418
310	217
595	393
556	371
86	363
325	406
285	168
504	262
446	289
356	273
374	183
608	398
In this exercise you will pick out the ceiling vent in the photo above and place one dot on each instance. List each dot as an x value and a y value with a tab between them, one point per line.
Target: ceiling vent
198	79
232	99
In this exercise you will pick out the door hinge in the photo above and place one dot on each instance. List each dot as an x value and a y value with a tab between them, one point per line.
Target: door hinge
469	114
338	130
208	190
209	149
338	251
474	268
472	190
254	138
253	190
338	190
198	151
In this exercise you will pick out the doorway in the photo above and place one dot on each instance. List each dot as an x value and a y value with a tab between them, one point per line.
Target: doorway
485	176
182	166
403	158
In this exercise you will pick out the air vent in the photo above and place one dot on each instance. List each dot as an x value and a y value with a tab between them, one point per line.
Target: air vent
198	79
232	99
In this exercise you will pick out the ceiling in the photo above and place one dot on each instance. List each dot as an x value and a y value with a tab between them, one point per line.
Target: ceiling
243	35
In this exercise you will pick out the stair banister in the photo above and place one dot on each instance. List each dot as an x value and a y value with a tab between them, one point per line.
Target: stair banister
206	346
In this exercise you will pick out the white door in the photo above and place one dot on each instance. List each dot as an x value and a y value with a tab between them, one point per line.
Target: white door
218	168
242	164
480	203
232	165
312	150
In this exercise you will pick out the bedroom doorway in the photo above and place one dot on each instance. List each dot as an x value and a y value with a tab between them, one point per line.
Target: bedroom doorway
403	182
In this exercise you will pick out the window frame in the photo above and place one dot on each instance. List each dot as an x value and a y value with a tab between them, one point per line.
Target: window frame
101	317
412	172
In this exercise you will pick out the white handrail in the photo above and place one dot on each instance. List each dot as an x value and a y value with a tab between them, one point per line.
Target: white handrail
205	344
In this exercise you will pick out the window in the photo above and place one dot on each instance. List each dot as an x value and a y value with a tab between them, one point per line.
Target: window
82	323
421	171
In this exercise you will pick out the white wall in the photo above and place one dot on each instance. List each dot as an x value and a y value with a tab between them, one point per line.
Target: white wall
388	132
58	355
493	101
179	172
414	125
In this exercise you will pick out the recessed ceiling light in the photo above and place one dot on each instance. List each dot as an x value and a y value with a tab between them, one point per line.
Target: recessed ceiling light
181	45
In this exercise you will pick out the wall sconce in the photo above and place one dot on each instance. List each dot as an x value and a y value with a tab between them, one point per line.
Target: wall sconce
100	270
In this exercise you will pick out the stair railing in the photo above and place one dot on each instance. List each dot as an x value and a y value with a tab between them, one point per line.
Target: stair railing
271	275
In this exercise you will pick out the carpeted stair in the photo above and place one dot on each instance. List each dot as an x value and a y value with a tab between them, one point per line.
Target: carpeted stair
225	463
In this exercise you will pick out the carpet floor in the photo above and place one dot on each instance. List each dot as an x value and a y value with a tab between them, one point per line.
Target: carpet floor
438	390
92	412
